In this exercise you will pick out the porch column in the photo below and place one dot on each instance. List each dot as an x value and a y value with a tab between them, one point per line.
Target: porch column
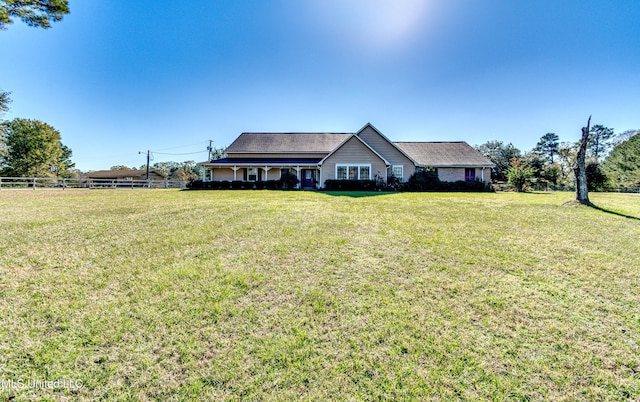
235	171
298	176
320	177
482	174
211	174
266	173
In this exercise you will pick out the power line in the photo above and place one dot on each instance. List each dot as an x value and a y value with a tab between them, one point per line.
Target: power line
188	153
181	146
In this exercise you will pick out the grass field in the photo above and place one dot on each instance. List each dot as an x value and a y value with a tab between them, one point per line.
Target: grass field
174	295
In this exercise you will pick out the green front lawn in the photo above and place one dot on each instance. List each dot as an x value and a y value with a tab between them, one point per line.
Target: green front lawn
175	295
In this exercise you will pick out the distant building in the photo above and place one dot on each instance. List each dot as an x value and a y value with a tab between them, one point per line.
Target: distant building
129	174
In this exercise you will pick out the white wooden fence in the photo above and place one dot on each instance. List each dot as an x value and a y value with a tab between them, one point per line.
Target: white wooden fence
60	183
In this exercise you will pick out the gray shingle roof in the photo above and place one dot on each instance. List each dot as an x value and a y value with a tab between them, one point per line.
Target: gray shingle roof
286	142
442	154
436	154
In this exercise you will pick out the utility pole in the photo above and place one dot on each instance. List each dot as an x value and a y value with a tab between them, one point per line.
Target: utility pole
210	149
148	158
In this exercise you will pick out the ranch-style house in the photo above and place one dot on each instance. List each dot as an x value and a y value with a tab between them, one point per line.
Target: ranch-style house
365	155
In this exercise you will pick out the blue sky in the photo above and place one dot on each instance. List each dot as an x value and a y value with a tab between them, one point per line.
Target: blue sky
119	76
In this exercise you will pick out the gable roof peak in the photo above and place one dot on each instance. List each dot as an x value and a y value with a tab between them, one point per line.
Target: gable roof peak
386	162
371	126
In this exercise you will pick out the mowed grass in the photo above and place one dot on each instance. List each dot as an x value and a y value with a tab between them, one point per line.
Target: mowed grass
259	295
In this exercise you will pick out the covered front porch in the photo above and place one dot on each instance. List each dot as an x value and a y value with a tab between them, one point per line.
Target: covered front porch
306	171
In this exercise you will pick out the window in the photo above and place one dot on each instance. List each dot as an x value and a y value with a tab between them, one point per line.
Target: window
364	173
341	172
469	174
252	174
353	172
398	172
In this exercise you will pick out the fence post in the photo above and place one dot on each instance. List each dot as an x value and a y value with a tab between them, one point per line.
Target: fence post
34	183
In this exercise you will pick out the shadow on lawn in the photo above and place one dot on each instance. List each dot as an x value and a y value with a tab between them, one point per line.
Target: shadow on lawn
355	194
594	206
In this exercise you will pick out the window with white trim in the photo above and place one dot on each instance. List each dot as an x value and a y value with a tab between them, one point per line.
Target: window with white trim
398	172
252	174
365	172
469	174
353	172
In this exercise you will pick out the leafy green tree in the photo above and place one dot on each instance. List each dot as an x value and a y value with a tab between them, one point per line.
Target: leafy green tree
567	154
622	165
187	170
65	160
519	174
624	136
35	13
184	175
120	167
548	146
596	178
535	161
218	153
551	173
4	101
166	168
600	140
501	155
32	148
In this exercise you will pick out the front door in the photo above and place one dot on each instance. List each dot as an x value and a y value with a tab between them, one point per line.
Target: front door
308	178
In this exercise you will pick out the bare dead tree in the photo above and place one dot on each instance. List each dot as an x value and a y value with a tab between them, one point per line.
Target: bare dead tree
580	170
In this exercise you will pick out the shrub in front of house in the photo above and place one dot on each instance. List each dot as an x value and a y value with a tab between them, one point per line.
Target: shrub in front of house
427	180
195	185
350	185
240	185
263	185
476	186
288	181
237	185
422	180
200	185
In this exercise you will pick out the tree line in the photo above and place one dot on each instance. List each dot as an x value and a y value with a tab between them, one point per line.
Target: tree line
612	161
184	171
